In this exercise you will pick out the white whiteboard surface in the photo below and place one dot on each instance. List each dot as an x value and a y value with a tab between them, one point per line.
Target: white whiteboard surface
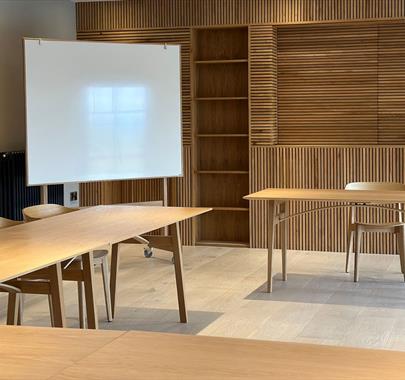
101	111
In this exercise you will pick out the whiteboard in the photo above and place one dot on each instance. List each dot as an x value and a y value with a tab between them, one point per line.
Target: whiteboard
101	111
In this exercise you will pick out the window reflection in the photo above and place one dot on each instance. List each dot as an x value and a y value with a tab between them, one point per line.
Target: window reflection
117	123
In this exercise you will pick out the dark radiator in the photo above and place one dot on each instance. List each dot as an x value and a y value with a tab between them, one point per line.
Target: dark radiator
14	194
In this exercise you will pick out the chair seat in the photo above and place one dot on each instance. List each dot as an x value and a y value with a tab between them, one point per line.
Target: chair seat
382	225
377	227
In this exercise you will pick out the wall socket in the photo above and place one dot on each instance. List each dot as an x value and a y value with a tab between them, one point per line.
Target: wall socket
71	195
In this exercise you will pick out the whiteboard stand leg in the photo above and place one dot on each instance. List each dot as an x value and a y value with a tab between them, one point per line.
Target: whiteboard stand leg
44	194
165	201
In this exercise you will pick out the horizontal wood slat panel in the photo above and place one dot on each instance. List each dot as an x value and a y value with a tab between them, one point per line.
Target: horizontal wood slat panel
391	84
129	14
168	36
323	167
327	85
263	85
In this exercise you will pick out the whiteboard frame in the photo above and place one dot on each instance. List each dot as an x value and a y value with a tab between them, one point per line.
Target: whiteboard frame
96	180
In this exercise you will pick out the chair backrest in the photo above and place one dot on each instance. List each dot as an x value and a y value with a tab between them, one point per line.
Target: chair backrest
4	223
389	186
38	212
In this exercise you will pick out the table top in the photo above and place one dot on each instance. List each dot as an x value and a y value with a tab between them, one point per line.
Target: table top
31	246
62	354
332	195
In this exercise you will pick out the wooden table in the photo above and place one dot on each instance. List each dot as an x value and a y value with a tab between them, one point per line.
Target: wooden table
277	202
70	354
29	247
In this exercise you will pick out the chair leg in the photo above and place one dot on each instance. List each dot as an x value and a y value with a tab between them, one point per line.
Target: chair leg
13	308
401	249
357	254
106	282
51	310
349	249
82	311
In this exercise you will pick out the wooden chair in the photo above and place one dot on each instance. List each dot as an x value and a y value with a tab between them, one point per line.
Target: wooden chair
356	229
72	270
17	287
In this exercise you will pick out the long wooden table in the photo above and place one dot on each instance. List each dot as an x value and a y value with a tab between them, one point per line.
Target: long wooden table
30	247
278	212
70	354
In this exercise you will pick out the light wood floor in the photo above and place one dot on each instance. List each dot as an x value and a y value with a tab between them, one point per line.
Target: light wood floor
225	292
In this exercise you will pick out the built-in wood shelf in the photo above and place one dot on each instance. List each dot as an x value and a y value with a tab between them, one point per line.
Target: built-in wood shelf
218	135
223	98
220	61
221	163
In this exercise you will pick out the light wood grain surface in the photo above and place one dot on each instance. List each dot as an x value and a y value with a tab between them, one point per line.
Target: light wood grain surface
102	355
335	195
40	353
28	247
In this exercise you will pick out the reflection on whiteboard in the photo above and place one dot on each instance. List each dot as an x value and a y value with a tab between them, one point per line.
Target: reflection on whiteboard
92	116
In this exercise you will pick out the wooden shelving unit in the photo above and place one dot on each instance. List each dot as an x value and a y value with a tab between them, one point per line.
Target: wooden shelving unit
221	125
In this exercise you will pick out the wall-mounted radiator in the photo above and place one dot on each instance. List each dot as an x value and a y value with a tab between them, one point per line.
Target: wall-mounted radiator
14	194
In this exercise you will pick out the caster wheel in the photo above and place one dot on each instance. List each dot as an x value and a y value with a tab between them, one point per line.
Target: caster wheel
148	252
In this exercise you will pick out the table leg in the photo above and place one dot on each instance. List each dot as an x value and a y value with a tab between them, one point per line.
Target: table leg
178	267
284	210
56	290
270	243
113	277
88	281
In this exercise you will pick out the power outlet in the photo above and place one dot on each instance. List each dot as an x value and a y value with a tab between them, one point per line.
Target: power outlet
73	196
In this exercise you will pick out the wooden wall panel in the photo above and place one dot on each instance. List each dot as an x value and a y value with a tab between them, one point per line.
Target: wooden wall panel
96	193
323	167
327	85
391	84
130	14
263	84
180	194
100	193
170	21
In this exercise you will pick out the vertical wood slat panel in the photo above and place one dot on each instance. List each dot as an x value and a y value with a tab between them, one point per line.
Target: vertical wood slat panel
324	167
181	194
129	14
263	85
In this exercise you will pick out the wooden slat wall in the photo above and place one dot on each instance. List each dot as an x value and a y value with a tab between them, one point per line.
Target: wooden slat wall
263	84
170	20
341	84
327	85
132	14
323	167
100	193
391	84
181	194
